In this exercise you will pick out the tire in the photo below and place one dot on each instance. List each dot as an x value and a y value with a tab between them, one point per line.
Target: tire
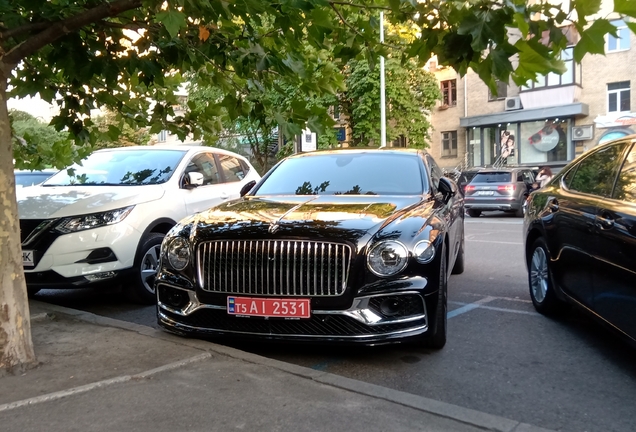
141	289
436	339
541	281
458	268
474	213
519	211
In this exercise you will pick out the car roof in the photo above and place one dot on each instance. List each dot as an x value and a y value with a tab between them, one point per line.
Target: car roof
190	148
362	150
504	169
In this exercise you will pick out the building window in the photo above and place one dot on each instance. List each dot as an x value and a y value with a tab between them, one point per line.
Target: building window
400	141
502	91
449	92
570	76
621	42
449	144
618	96
163	136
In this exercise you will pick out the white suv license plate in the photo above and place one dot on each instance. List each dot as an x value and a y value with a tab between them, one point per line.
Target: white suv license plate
27	258
485	193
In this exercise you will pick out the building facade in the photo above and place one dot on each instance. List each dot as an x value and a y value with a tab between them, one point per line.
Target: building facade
548	122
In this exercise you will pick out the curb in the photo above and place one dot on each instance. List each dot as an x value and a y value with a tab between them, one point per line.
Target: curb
467	416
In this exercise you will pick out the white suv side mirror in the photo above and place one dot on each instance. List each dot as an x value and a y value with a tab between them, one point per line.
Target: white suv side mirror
195	179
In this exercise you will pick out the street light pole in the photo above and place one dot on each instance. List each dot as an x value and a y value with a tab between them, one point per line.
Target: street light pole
382	96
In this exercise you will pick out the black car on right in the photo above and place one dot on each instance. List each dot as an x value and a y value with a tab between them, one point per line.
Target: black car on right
580	237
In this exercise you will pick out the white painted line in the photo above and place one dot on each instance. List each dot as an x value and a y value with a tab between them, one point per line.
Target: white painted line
493	221
465	307
98	384
468	307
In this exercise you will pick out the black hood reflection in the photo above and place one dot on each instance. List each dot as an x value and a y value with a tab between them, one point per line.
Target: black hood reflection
345	218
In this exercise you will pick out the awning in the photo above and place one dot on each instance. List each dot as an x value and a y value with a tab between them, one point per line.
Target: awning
524	115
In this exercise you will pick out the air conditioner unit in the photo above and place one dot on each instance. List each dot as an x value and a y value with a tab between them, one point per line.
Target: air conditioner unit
583	132
513	103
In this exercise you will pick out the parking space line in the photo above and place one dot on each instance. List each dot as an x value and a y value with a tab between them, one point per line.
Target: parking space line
465	307
469	307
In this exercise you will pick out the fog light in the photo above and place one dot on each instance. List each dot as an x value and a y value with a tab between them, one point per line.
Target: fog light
173	297
100	276
390	307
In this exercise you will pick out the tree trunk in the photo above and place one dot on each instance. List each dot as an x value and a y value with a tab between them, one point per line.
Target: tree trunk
16	346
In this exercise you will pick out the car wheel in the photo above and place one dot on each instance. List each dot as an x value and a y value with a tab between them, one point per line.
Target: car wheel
540	280
519	211
436	338
458	268
142	289
474	213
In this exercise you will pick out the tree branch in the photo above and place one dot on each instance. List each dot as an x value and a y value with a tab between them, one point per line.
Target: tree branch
61	28
27	28
360	6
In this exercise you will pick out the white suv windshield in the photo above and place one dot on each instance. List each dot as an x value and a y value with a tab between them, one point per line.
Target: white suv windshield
120	168
347	174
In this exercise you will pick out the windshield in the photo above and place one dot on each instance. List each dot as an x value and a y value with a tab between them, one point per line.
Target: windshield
492	177
120	168
347	174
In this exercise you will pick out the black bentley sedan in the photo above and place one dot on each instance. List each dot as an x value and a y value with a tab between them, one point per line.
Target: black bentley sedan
581	237
342	246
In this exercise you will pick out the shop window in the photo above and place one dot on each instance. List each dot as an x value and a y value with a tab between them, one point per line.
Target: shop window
618	95
449	144
502	91
543	141
449	92
620	43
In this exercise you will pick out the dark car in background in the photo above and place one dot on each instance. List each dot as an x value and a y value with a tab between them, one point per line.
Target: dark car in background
343	246
498	189
580	237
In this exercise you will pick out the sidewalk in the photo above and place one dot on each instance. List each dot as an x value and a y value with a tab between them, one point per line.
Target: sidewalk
100	374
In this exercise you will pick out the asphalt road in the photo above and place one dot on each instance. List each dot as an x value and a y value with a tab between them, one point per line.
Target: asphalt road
501	357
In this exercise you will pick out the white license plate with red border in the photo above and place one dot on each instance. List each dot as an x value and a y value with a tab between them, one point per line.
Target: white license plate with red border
269	307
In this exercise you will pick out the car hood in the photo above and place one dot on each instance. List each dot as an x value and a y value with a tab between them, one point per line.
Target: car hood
336	218
44	202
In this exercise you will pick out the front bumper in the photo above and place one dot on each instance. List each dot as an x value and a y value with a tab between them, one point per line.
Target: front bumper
180	311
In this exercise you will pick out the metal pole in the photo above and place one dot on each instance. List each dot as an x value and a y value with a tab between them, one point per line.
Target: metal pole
382	93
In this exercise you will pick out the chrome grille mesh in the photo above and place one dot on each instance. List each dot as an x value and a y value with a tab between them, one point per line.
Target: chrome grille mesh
273	267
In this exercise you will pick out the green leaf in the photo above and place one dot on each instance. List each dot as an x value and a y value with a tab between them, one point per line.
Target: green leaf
627	7
587	7
593	39
172	20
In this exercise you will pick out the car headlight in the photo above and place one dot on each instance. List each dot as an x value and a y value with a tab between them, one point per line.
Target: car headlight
94	220
178	253
424	252
387	258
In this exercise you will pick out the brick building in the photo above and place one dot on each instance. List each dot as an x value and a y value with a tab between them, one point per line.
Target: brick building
548	122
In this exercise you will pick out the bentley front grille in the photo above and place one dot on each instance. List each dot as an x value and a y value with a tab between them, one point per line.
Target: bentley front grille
274	267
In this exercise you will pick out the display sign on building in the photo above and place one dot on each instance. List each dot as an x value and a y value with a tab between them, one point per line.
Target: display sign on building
308	141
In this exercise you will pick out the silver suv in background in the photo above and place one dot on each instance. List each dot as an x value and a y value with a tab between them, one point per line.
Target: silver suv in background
503	189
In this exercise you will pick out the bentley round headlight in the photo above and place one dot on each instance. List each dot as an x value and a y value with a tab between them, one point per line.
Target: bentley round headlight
424	252
387	258
178	253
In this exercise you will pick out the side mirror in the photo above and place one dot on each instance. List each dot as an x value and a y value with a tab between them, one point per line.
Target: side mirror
447	188
247	187
193	179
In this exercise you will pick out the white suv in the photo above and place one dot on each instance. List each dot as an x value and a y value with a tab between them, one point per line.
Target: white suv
104	219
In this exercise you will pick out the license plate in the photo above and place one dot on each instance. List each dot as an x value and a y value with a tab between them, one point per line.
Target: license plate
485	193
268	307
27	258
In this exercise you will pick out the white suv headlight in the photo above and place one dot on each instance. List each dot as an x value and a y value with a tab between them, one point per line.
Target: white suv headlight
94	220
178	253
387	258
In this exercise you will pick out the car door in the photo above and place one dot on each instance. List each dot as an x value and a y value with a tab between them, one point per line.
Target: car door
572	227
615	278
212	192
